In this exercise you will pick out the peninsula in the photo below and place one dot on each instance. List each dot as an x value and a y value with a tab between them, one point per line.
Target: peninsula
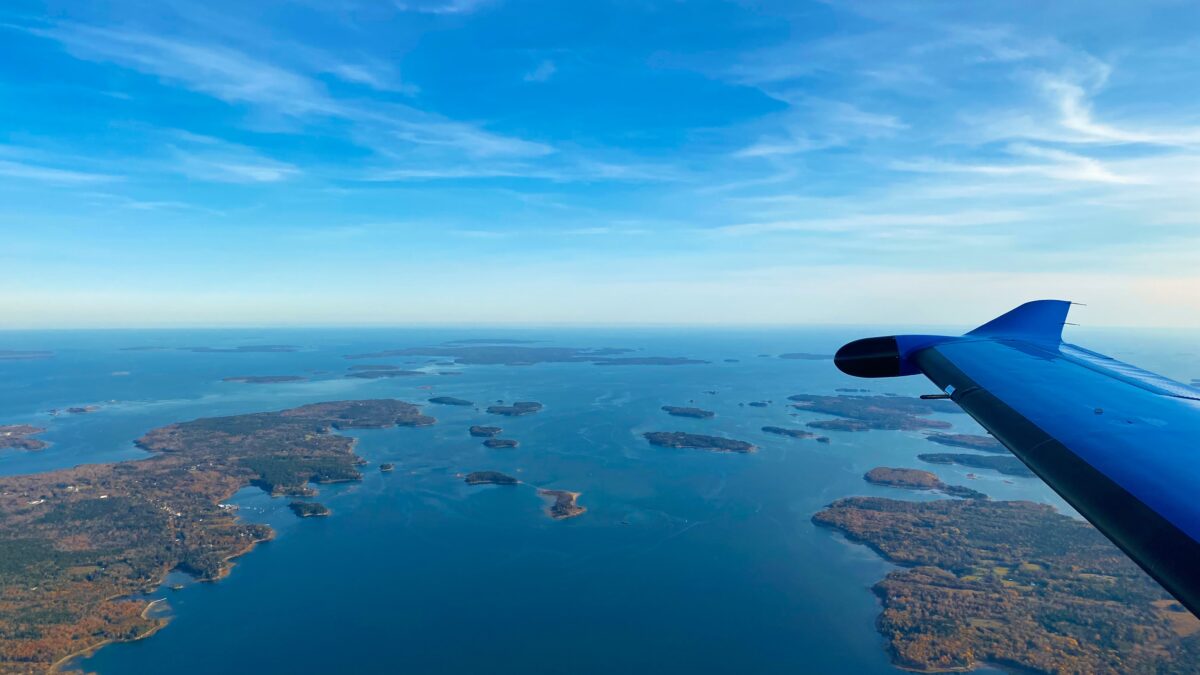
80	544
17	437
679	439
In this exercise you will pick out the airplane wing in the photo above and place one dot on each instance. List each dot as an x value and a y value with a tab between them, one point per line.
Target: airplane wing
1120	444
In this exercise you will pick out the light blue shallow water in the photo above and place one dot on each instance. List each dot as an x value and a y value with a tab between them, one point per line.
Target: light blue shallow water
685	561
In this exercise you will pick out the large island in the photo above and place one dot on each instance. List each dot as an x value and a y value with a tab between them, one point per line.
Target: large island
1013	583
77	545
680	439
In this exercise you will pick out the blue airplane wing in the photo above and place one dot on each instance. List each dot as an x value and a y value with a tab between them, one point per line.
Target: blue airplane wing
1120	444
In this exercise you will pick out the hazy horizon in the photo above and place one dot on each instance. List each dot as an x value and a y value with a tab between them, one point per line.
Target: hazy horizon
449	162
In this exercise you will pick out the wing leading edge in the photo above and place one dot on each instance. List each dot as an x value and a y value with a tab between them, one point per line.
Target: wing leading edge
1118	443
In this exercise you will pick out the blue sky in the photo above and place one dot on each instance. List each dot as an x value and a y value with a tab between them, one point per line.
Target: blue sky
451	161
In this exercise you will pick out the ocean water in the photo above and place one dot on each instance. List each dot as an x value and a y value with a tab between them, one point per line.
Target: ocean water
685	561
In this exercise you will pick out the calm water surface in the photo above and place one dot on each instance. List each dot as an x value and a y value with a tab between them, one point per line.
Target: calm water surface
685	561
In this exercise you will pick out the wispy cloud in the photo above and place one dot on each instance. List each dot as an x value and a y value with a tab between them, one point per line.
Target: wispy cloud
52	175
544	71
443	6
877	223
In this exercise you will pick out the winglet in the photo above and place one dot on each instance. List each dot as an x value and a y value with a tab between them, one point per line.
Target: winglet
1040	320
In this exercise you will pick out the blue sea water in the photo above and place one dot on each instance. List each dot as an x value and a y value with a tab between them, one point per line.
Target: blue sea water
685	561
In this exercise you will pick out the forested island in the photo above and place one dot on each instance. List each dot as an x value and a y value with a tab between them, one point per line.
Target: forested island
489	478
563	504
265	379
516	355
76	544
1013	583
517	409
309	509
968	441
17	437
862	413
501	443
795	433
481	431
679	439
450	400
1008	464
682	411
916	479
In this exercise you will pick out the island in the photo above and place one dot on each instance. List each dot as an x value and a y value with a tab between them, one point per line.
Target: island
517	409
1012	583
896	413
244	349
489	478
484	431
679	411
805	356
795	433
493	354
916	479
387	467
265	379
17	437
309	509
450	400
81	545
840	425
680	439
969	441
758	404
379	374
562	503
1007	465
501	443
24	355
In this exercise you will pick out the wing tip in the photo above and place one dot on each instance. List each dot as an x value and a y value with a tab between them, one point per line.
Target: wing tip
1041	320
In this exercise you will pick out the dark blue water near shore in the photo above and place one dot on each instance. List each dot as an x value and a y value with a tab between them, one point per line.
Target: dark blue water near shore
685	561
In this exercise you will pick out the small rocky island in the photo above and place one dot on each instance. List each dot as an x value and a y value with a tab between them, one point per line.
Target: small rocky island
450	400
489	478
1007	465
501	443
916	479
517	409
795	433
562	504
681	411
309	509
680	439
387	467
968	441
265	379
17	437
480	431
